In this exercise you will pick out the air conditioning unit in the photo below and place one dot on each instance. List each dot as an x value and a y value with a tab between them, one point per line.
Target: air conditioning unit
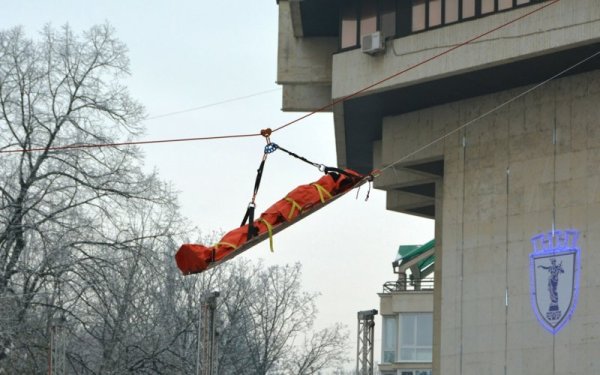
373	43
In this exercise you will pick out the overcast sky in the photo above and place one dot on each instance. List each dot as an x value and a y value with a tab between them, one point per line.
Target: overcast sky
186	54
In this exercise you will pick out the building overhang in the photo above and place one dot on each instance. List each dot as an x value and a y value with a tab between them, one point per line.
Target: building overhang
537	42
315	18
363	115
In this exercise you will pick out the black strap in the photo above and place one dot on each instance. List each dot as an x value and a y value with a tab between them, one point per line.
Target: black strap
321	167
252	230
300	157
249	216
259	173
341	171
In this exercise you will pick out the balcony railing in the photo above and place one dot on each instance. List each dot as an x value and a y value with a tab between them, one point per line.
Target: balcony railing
412	285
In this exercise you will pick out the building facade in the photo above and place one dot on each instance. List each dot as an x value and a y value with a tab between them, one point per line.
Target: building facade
498	141
406	307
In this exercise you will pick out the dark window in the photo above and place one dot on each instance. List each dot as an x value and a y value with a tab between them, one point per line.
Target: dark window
388	18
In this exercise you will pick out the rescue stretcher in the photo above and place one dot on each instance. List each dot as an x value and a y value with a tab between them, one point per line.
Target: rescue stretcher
298	204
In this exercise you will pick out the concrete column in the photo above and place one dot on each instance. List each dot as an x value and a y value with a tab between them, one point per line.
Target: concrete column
437	288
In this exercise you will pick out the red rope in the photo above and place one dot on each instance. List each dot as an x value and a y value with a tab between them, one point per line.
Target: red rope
84	146
321	109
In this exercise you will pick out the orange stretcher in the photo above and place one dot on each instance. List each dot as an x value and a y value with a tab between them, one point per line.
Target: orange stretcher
296	205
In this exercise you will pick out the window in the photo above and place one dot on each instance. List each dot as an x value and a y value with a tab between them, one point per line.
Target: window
451	11
396	18
505	4
368	17
419	10
468	8
432	13
415	372
435	13
349	24
416	337
390	339
387	18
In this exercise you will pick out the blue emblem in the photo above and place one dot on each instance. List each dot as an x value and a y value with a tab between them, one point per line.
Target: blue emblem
554	268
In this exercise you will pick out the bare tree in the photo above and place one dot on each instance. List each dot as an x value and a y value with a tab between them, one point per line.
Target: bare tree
88	238
320	350
57	205
268	324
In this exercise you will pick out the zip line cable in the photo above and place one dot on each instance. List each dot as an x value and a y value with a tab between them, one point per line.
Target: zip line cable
470	122
226	101
321	109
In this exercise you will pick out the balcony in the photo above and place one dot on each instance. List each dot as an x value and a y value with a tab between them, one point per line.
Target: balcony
410	285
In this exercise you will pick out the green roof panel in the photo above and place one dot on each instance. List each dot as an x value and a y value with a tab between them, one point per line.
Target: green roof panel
408	252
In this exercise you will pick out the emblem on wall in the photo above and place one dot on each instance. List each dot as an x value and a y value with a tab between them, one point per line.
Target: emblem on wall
554	277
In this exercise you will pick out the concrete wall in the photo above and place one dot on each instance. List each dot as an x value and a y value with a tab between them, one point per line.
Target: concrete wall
405	302
505	185
559	26
303	64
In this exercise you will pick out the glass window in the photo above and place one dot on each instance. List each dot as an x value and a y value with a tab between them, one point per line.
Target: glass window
487	6
504	4
435	13
468	9
416	337
349	24
368	17
390	338
408	329
424	332
397	18
418	15
414	372
388	18
451	11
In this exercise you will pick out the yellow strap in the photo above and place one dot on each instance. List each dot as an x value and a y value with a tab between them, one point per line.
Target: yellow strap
295	206
322	191
270	230
227	244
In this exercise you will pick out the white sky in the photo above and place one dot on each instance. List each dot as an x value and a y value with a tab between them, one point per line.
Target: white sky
187	54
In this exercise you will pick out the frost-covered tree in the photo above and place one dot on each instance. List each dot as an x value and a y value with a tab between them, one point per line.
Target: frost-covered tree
87	238
64	212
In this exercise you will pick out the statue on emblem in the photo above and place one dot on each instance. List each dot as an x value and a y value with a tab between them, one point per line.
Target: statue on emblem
554	271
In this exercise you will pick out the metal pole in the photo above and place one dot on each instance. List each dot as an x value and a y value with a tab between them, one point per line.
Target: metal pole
207	333
199	344
57	349
365	340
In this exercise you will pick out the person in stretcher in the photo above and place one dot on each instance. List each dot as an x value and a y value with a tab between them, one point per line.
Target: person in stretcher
195	258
